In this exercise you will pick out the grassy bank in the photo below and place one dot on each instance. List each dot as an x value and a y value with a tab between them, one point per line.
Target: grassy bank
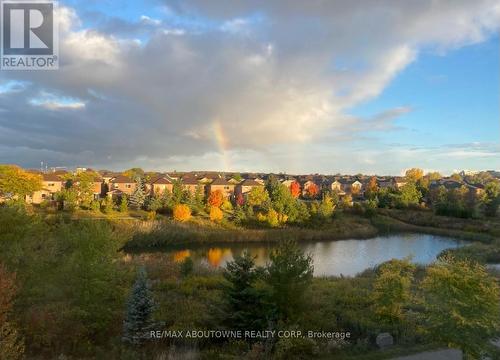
164	233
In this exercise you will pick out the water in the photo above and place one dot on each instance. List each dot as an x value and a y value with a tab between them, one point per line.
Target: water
333	258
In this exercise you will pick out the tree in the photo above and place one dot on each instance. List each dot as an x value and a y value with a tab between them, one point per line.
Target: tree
216	214
134	173
326	207
177	192
246	302
216	198
414	174
295	189
140	307
462	304
391	290
372	188
83	185
107	205
15	182
182	212
492	198
288	275
11	343
240	199
123	203
312	191
138	197
257	196
409	195
187	266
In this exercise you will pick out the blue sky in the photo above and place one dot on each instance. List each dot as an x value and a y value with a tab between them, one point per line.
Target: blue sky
373	87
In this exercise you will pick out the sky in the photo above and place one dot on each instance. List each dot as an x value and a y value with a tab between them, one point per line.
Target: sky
372	87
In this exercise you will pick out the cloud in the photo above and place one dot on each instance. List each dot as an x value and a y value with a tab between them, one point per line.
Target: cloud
271	77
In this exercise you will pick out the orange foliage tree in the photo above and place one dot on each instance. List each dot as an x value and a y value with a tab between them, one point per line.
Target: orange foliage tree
372	187
216	214
295	189
182	212
312	191
216	198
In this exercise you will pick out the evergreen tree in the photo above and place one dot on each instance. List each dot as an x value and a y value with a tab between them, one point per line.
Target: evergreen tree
138	197
289	275
123	203
245	301
140	306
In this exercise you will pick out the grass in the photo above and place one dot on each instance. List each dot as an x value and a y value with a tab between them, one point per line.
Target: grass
167	233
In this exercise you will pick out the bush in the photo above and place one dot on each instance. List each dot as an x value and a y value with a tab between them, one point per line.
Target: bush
216	214
182	213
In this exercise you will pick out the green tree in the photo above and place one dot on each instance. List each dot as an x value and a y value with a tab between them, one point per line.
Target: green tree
138	197
123	204
177	193
462	304
107	205
391	291
257	196
289	275
140	307
245	300
492	198
409	195
187	266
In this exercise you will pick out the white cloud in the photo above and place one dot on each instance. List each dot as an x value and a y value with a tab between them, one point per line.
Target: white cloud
270	84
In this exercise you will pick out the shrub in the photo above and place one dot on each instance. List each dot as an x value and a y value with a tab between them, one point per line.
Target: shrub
227	206
216	214
182	213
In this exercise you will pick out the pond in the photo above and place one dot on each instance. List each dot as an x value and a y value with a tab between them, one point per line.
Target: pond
332	258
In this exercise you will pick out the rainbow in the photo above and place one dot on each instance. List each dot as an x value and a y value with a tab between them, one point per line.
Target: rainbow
222	144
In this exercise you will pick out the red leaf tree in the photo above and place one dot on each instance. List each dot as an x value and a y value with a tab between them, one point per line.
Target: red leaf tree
216	198
295	189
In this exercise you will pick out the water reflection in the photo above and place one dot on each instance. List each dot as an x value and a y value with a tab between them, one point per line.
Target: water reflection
346	257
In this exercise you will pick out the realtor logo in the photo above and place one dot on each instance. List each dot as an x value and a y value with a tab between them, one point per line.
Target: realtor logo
29	35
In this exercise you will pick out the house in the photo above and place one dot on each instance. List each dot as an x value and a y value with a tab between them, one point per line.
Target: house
356	187
386	183
191	184
288	182
399	182
51	184
160	185
121	184
246	186
223	185
337	187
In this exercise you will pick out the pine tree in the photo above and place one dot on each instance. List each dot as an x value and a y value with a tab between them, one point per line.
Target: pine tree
138	197
140	306
247	309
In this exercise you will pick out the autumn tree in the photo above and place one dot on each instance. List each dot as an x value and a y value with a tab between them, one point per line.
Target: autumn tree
372	188
15	182
295	189
257	196
414	174
462	303
240	199
11	343
216	214
181	212
312	191
216	198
